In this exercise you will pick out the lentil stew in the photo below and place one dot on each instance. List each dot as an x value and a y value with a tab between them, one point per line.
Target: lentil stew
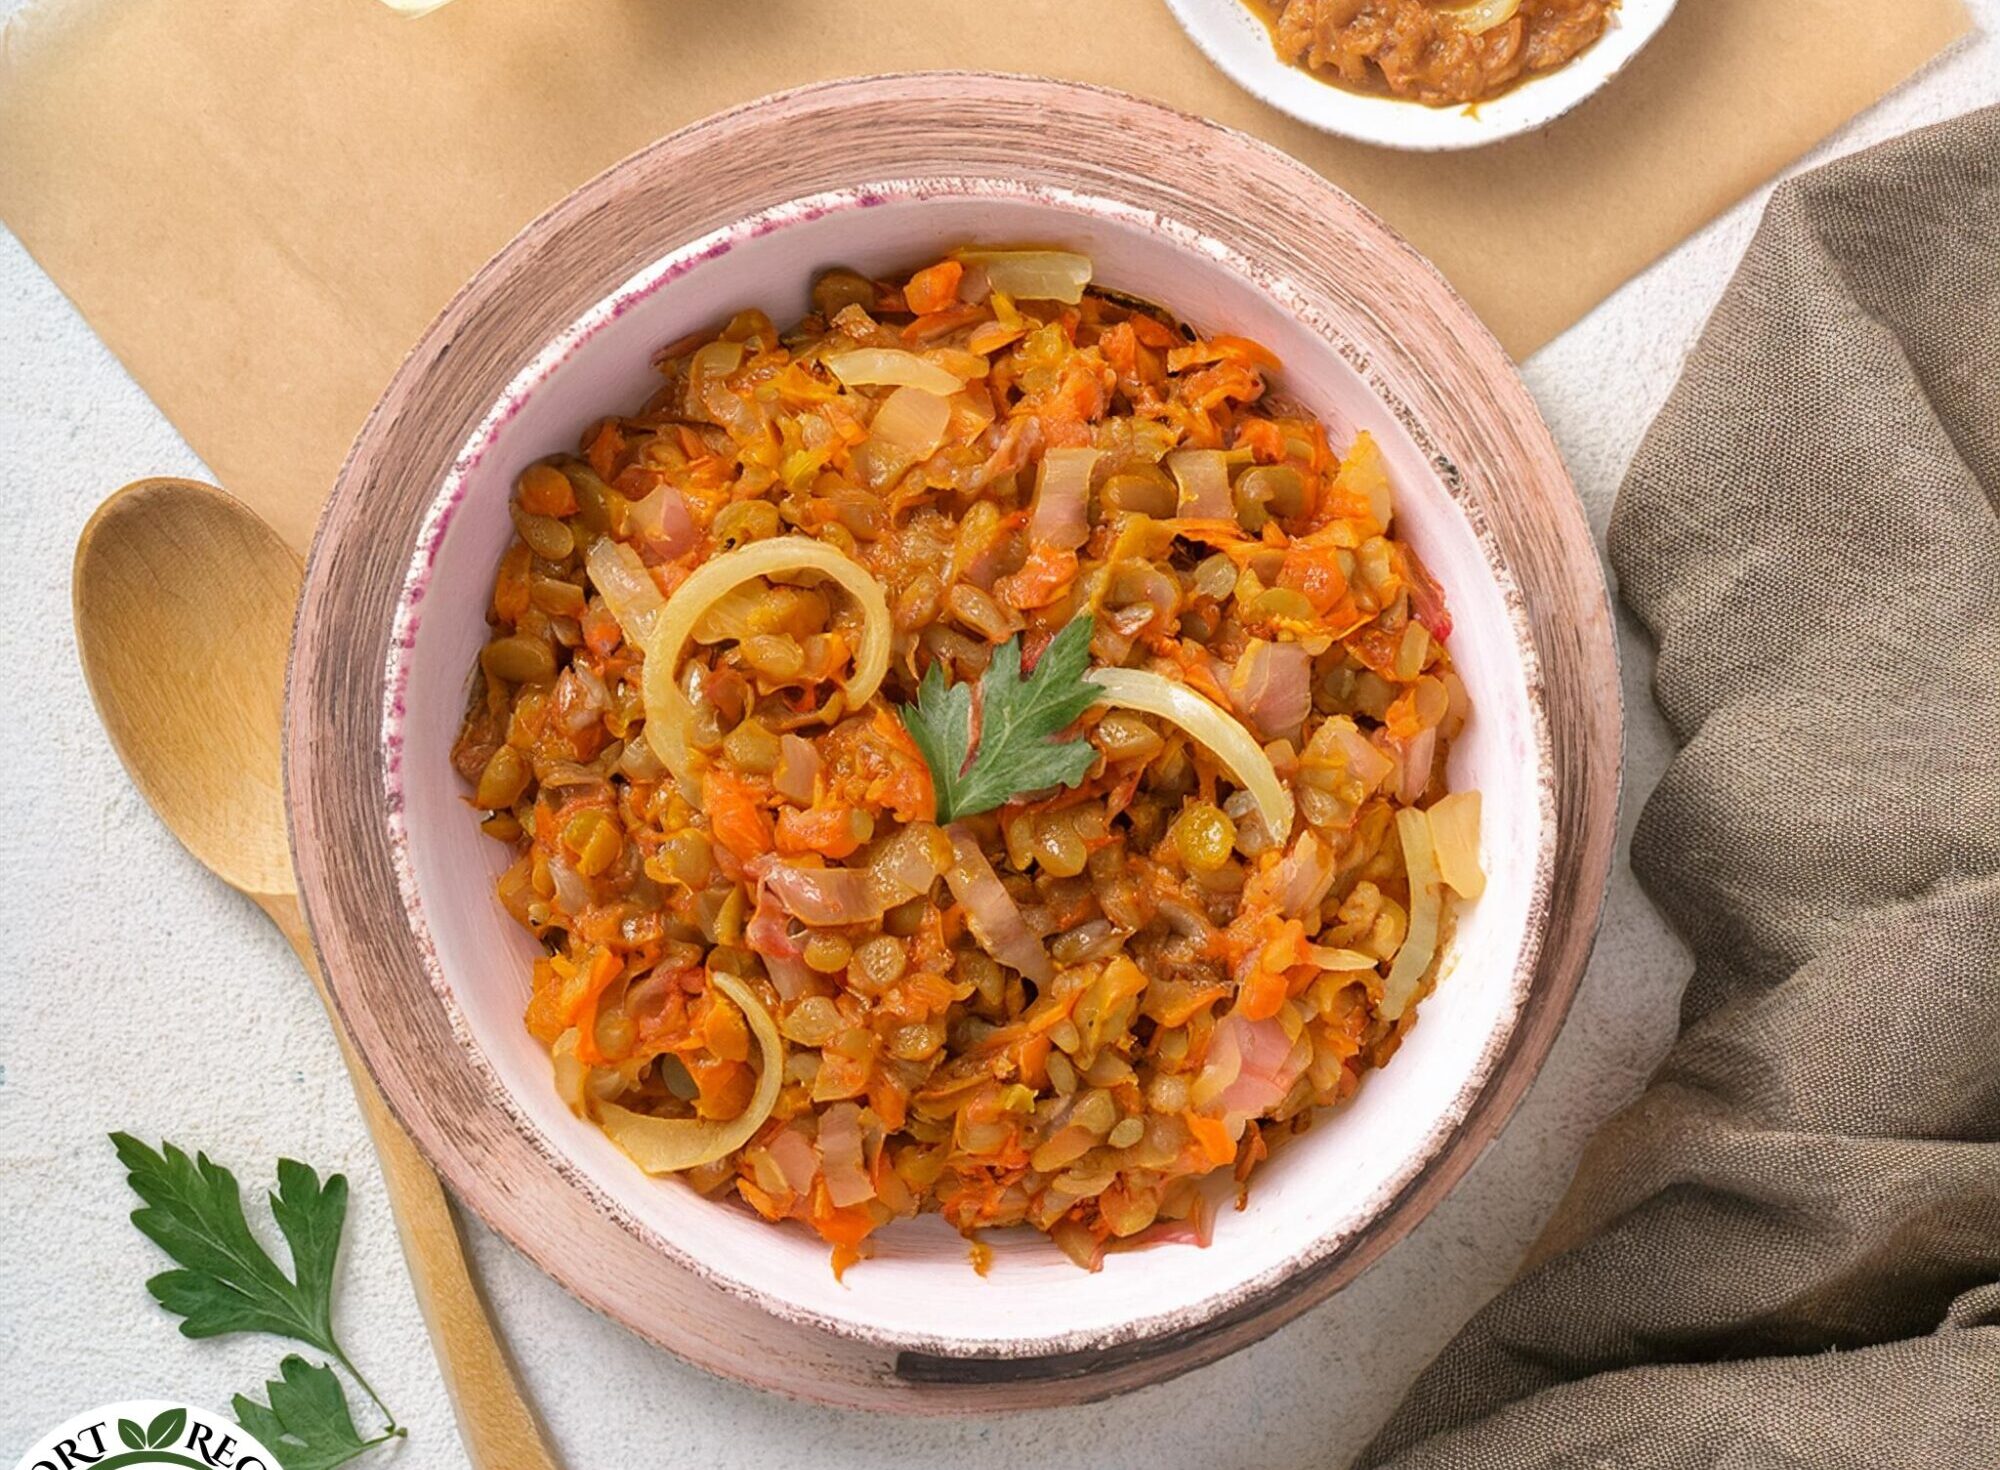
977	750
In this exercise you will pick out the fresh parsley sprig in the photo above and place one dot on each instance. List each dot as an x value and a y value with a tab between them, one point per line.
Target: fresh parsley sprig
227	1282
307	1425
1018	720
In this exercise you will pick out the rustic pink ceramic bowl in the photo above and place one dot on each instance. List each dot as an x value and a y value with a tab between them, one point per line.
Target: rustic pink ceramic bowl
884	175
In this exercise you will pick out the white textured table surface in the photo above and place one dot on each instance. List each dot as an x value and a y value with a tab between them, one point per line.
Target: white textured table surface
159	1003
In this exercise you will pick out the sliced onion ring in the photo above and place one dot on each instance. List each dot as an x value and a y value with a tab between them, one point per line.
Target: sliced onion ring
627	588
1455	831
1203	478
1339	961
1062	498
990	911
1224	735
1031	275
912	421
669	1145
891	367
667	709
1479	16
1413	960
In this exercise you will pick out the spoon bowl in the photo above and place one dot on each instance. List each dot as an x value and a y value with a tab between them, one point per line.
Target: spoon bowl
183	602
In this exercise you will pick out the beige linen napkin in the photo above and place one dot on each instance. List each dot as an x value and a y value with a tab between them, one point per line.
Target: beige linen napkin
1786	1255
259	206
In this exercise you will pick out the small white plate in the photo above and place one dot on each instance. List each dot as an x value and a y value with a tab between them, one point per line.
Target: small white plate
1237	40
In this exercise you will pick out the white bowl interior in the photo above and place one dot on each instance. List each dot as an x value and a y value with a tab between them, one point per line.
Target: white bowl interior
918	1289
1237	40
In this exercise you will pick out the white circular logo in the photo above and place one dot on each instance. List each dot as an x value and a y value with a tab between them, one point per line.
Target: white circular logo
148	1432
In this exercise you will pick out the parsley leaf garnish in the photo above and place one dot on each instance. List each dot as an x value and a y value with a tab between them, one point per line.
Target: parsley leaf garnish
307	1425
227	1282
194	1212
1018	720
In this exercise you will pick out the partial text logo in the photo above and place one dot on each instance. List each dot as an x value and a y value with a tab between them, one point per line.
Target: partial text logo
148	1432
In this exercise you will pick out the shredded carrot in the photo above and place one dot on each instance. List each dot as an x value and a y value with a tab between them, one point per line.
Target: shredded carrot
1315	573
601	631
1263	437
1213	1136
736	814
606	445
723	1086
837	1225
579	1002
1193	1005
512	587
1152	332
1046	577
1034	1059
544	1017
823	830
1120	346
934	288
888	1100
942	323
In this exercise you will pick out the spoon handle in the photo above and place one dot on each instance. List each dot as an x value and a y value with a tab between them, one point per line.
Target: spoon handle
499	1429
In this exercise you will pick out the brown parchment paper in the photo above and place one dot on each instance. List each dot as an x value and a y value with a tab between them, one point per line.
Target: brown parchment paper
259	204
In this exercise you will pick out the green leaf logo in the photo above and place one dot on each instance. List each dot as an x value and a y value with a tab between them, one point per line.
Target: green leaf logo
164	1430
129	1432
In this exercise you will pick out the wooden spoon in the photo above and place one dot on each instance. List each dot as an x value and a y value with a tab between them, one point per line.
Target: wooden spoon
183	602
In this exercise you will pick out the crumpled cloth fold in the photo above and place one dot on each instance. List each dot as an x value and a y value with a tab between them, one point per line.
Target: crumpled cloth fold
1786	1254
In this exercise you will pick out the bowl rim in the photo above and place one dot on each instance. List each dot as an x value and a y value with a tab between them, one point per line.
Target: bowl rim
1386	122
316	806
